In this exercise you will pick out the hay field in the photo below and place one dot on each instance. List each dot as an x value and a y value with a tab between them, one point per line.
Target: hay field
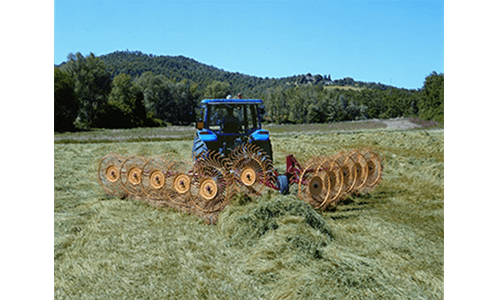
388	244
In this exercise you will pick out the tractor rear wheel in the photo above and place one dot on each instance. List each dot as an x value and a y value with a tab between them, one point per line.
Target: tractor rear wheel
199	147
266	148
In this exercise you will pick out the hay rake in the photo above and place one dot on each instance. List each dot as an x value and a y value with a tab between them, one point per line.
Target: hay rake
205	187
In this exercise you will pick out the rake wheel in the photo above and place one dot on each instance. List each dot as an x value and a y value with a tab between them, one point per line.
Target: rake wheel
178	184
375	169
109	174
361	167
349	171
314	184
337	190
251	167
211	184
131	171
154	176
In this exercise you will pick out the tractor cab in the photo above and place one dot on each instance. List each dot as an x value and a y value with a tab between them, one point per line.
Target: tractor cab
228	123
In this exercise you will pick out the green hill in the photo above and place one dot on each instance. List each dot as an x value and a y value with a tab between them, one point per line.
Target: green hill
127	89
180	68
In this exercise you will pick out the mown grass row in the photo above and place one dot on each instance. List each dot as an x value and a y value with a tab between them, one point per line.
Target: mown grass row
175	133
384	245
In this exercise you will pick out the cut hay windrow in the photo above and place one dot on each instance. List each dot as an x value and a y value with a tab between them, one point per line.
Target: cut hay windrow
204	188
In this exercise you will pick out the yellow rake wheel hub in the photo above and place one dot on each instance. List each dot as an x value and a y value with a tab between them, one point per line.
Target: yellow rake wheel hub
315	186
182	183
208	189
248	176
157	179
112	173
134	176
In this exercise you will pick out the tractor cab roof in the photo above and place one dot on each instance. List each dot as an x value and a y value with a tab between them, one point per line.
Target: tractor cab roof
231	101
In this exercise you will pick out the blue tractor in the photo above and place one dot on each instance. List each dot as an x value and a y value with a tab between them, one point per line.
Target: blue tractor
234	126
229	123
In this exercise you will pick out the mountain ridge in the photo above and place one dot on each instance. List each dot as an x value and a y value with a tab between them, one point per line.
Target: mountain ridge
178	68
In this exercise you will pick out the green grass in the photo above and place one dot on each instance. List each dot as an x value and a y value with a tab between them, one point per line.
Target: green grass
388	244
325	127
126	135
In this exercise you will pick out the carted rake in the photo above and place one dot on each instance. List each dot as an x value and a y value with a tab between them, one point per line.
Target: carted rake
206	187
232	153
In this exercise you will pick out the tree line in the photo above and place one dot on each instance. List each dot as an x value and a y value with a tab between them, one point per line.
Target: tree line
131	89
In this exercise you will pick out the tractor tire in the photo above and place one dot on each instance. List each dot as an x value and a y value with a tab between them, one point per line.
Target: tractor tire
283	184
266	146
199	147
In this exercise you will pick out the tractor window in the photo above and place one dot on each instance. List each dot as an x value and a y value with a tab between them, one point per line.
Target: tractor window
253	120
218	115
215	115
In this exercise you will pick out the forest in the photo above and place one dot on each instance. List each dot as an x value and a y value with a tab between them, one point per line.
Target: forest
131	89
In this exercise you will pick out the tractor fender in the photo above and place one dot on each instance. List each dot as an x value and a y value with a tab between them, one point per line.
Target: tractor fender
260	135
199	147
266	147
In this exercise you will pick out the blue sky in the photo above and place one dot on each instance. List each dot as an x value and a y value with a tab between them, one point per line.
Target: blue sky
392	42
